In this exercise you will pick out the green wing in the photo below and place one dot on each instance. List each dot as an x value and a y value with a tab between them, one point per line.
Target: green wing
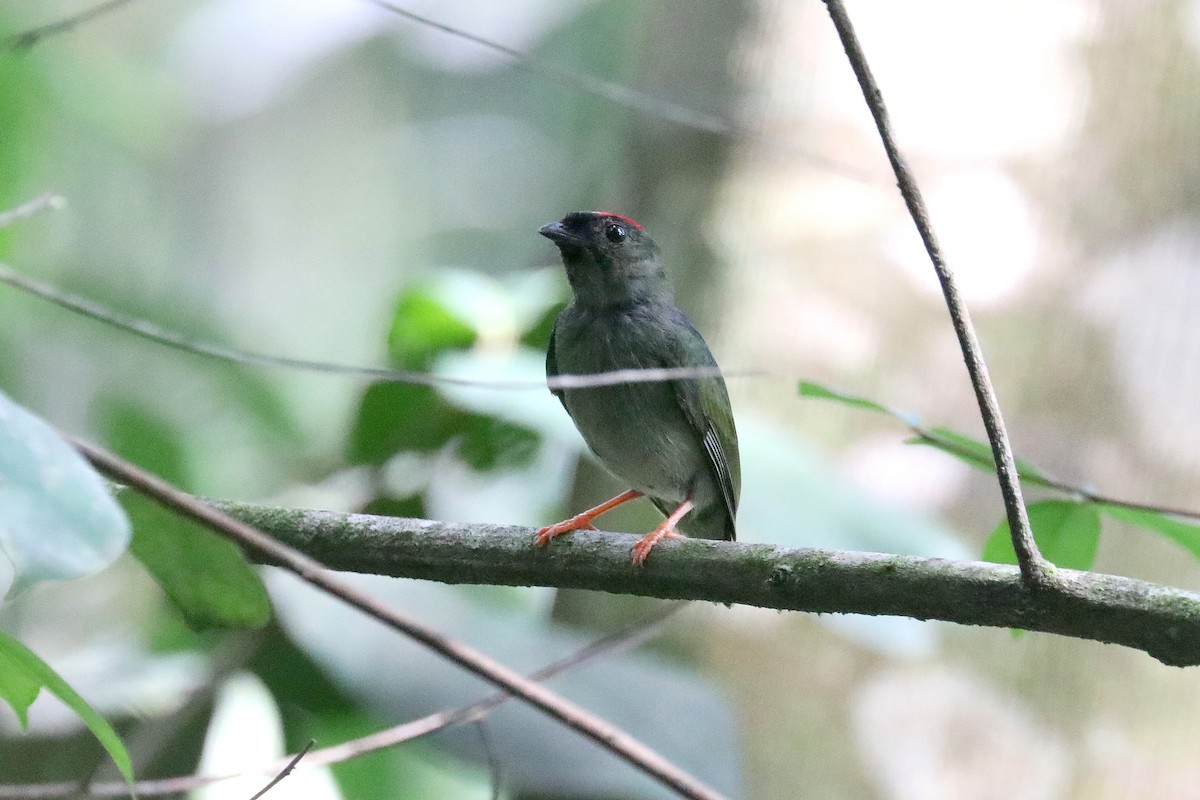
705	403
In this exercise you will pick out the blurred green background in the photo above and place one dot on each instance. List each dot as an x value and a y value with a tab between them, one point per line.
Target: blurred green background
331	181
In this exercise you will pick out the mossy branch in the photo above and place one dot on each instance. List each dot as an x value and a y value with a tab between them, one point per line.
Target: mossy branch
1160	620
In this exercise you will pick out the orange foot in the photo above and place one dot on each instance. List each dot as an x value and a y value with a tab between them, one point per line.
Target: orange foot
579	522
643	546
583	521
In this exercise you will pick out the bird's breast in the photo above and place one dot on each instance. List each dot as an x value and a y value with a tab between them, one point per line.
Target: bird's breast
637	430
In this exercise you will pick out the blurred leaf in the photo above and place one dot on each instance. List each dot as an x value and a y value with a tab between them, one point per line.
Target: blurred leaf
811	389
313	707
411	507
1067	533
10	361
537	336
395	417
975	453
536	409
18	660
250	390
205	576
17	686
57	518
538	291
259	399
144	438
972	451
489	443
1185	534
23	128
422	327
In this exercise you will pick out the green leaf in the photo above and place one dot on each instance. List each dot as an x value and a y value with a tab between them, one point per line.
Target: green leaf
811	389
25	126
1067	533
972	452
398	417
422	327
490	443
1185	534
538	411
205	577
16	686
144	438
411	507
57	518
259	401
17	659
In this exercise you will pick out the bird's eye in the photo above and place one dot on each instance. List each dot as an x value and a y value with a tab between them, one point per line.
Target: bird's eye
615	233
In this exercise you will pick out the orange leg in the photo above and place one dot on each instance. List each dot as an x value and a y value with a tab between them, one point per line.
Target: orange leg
644	545
582	522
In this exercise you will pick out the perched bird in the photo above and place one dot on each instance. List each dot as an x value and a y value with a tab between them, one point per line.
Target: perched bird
672	442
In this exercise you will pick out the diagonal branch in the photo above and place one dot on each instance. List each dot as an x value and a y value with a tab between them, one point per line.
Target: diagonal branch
1160	620
1036	572
612	644
168	337
27	39
44	201
621	95
263	546
287	770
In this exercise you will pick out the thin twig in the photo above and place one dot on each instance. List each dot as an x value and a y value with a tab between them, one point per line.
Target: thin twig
29	38
272	551
287	770
614	643
955	444
170	338
43	202
1049	482
177	341
1036	572
619	642
608	90
622	95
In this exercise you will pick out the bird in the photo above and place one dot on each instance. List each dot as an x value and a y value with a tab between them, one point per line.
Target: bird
673	442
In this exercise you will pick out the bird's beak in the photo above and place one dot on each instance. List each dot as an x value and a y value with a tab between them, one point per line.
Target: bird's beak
555	232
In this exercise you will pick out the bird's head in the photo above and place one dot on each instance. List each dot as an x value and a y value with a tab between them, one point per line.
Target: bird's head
610	260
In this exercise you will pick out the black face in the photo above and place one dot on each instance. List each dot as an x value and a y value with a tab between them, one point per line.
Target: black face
601	232
610	261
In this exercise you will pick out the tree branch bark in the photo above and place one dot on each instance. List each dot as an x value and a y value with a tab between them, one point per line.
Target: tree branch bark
1159	620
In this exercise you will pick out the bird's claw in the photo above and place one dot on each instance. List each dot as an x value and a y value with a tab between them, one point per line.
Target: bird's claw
643	546
579	522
